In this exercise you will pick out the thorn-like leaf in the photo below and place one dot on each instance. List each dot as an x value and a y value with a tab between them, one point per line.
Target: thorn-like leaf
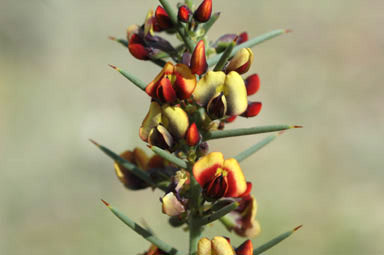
142	231
249	44
128	165
274	241
170	157
218	214
136	81
245	131
119	40
254	148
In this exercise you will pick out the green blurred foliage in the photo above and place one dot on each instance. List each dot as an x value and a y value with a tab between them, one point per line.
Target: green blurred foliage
56	91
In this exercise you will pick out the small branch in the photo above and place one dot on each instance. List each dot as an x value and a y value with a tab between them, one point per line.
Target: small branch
218	214
224	57
180	29
274	241
136	81
207	25
132	168
249	44
254	148
142	231
168	156
246	131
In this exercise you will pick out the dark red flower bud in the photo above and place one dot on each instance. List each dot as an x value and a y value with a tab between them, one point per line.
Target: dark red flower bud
199	61
203	13
253	109
243	37
184	14
252	83
245	249
162	18
193	136
136	47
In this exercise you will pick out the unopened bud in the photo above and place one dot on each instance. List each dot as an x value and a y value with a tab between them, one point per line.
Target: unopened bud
199	61
162	18
203	13
184	14
193	136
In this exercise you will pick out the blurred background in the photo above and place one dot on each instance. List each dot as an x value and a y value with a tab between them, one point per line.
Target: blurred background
56	91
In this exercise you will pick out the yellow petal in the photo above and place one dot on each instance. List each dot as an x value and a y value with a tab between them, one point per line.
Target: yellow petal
236	94
150	121
236	180
204	247
205	167
241	61
171	205
175	120
221	246
207	87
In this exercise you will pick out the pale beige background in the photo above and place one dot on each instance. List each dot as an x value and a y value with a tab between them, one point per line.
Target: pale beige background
56	91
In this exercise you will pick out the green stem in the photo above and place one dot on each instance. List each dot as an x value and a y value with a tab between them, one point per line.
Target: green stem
254	148
195	228
224	57
179	27
210	23
170	157
218	214
195	232
189	3
248	44
246	131
142	231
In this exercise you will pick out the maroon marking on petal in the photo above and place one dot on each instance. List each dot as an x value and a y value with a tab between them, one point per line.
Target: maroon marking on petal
217	187
252	83
207	175
182	88
165	91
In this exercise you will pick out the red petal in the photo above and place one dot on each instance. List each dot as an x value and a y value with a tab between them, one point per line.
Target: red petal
162	18
199	61
243	37
248	191
253	84
245	249
203	13
184	13
165	91
193	136
253	109
231	119
137	49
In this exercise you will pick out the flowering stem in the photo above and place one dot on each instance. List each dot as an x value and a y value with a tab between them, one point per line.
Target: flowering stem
142	231
180	29
248	152
248	44
210	23
224	57
274	241
246	131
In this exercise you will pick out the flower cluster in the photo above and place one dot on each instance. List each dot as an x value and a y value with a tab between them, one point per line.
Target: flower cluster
199	89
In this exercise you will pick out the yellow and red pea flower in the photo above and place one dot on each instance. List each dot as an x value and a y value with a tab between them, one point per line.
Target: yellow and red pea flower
222	94
204	11
173	82
140	159
184	14
221	246
198	60
164	124
219	177
241	62
136	44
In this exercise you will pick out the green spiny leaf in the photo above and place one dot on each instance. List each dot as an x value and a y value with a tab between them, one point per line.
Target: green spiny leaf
136	81
170	157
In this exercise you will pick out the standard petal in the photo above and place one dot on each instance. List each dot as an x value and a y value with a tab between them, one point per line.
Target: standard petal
171	205
205	168
151	120
235	93
236	180
185	82
221	246
204	247
207	87
175	120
